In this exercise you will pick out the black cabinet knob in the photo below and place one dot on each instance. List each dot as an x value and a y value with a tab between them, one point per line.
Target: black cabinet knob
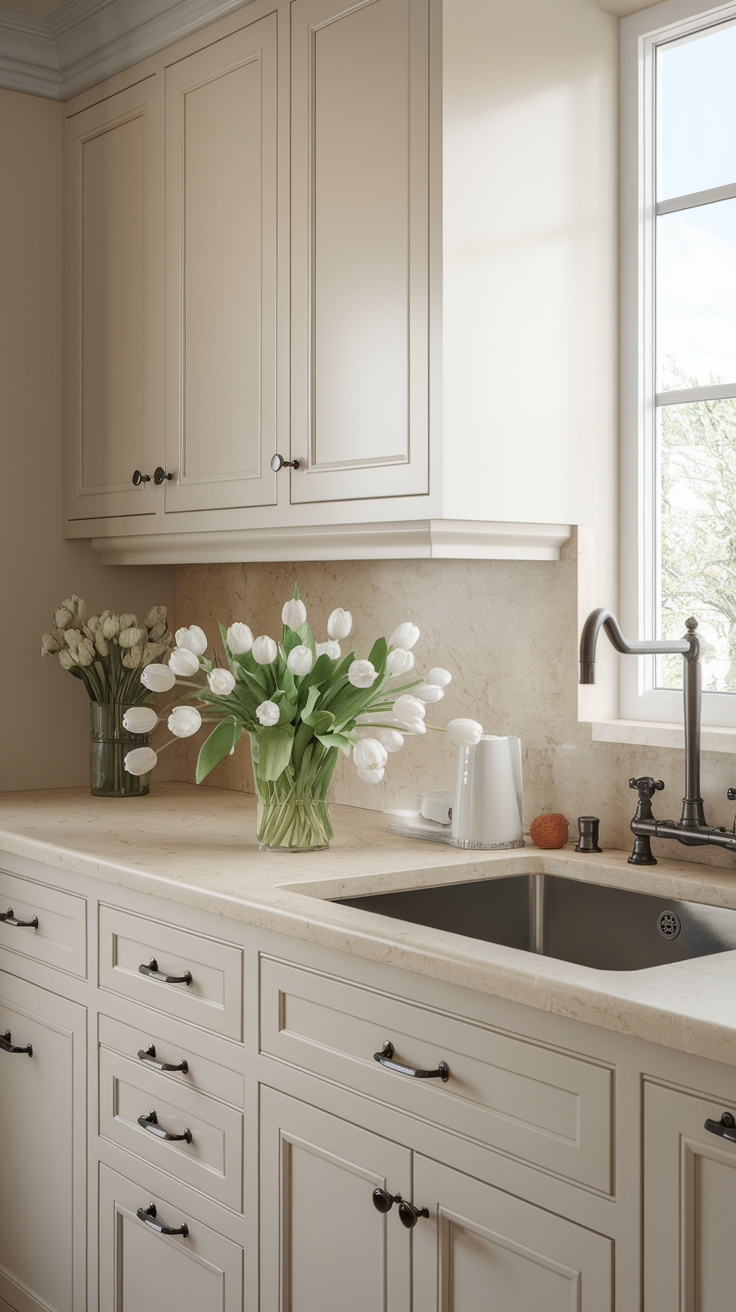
408	1213
278	462
160	476
139	478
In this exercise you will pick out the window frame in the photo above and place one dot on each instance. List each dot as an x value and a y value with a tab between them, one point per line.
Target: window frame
641	33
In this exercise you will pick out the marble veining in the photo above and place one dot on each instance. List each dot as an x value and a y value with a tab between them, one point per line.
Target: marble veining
198	848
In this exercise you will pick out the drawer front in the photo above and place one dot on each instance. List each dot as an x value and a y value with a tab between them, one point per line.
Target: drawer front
545	1107
214	997
173	1044
209	1160
140	1268
61	937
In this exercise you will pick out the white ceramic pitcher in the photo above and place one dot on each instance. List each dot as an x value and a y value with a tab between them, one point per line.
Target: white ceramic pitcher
487	811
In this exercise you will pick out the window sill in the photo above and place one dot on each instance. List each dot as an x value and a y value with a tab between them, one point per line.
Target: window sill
648	733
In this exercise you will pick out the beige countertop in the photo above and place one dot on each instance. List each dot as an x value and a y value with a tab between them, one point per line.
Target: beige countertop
197	846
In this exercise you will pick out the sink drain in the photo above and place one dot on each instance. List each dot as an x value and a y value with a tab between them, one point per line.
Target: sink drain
669	924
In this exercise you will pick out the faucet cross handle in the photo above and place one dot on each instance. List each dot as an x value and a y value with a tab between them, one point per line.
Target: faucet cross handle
646	786
731	794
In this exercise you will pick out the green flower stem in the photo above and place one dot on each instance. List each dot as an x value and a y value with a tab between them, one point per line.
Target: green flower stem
293	812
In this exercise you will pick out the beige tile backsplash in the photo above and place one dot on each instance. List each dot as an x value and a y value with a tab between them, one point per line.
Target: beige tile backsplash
507	630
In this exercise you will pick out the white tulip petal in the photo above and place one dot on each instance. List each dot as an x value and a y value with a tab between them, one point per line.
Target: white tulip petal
362	674
268	714
158	678
429	692
239	639
406	636
184	663
192	639
294	613
140	719
300	660
184	721
400	661
340	624
369	754
439	677
221	682
265	650
409	707
140	760
464	733
329	648
372	776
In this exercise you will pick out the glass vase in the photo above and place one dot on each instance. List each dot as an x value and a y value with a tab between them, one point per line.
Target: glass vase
109	744
293	811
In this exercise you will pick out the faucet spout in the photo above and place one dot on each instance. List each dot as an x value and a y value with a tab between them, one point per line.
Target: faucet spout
605	619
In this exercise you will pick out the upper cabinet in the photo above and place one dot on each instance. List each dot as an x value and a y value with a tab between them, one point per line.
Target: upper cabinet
359	249
254	286
114	155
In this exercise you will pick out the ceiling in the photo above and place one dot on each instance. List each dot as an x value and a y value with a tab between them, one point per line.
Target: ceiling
38	8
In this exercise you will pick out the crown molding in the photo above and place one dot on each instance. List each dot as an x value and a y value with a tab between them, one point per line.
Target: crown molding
427	539
89	40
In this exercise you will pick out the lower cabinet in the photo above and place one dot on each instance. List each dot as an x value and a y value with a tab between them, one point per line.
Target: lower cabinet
689	1203
43	1213
324	1246
190	1269
481	1247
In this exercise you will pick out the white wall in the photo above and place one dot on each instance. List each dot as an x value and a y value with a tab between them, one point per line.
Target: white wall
44	733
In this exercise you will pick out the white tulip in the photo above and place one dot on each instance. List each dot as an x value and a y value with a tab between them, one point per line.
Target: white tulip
330	648
221	682
294	613
140	719
265	651
300	660
362	674
400	661
389	738
184	721
464	733
376	717
369	754
158	678
340	624
184	663
140	760
412	724
429	692
406	636
268	714
372	776
408	707
192	639
239	639
439	677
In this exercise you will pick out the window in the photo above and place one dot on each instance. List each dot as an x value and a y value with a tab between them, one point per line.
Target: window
679	351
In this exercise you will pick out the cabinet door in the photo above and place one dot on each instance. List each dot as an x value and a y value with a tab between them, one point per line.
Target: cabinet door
221	273
482	1248
360	222
43	1151
141	1268
115	303
324	1247
689	1204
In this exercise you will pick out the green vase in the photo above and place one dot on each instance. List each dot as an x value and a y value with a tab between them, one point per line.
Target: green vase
109	745
293	811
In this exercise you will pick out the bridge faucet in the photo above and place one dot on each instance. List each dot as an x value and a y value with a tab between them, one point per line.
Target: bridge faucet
691	829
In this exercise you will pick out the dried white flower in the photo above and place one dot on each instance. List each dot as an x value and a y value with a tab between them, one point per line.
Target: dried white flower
132	637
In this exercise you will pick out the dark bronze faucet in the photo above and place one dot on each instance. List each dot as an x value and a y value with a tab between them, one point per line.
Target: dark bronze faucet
691	828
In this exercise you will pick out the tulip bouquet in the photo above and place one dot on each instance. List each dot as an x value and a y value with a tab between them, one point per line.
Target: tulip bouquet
302	702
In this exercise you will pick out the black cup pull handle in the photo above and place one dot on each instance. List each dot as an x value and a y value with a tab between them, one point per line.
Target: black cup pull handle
8	918
386	1058
148	1216
7	1045
148	1057
726	1127
408	1213
153	972
150	1123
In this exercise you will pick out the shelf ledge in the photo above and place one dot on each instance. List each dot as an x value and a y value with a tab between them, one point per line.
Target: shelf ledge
649	733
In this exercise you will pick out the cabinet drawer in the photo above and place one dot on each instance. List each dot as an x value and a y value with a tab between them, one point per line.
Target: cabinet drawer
174	1043
546	1107
61	937
140	1268
210	1159
212	999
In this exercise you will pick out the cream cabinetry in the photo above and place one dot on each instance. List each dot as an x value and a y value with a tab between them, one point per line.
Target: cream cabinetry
43	1169
254	251
690	1197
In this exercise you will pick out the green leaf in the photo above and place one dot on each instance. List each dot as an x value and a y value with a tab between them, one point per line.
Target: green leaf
225	648
379	652
321	672
291	639
274	751
306	637
338	740
321	721
221	741
309	705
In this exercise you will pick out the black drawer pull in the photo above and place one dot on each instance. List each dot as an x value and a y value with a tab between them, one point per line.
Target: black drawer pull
150	1123
148	1057
408	1213
385	1056
148	1216
9	919
726	1127
7	1046
153	972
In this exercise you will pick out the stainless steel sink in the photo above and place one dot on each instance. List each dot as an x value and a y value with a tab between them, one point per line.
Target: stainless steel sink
591	924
